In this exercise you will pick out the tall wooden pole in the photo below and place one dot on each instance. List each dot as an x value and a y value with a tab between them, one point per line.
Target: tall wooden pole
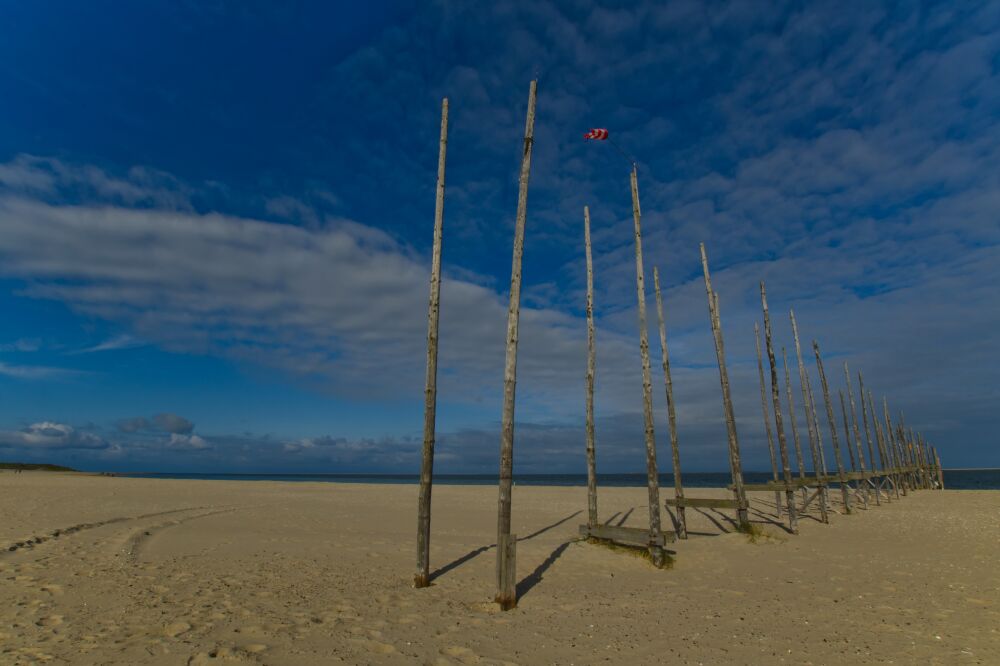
506	542
791	416
940	470
885	462
897	452
812	424
857	431
868	438
767	418
735	466
671	412
591	364
779	423
841	476
847	437
652	474
422	576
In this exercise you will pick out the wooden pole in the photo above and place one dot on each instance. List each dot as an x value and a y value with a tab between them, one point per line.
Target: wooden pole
652	475
791	416
506	543
897	452
885	460
841	476
422	576
591	367
847	437
815	440
868	438
767	419
671	412
779	424
736	468
940	470
857	431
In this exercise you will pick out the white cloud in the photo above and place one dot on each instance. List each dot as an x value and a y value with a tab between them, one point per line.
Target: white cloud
51	435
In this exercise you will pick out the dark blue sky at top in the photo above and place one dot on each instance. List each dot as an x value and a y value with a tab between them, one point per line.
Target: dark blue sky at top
222	211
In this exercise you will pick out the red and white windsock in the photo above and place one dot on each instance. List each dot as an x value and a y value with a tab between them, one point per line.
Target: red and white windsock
599	134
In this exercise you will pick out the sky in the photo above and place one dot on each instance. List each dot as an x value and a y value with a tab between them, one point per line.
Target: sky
216	225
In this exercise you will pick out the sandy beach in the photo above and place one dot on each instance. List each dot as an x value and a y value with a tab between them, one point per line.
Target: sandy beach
142	571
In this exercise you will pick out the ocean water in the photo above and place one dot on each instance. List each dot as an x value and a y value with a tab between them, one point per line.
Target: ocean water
955	479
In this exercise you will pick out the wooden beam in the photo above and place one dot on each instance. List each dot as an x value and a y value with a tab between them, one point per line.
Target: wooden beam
506	592
422	576
631	536
854	421
701	503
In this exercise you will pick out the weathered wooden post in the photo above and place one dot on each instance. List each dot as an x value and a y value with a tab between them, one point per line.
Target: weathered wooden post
868	438
422	577
841	476
506	542
652	475
847	436
901	480
779	424
940	470
815	440
671	412
885	462
857	432
767	419
791	418
736	468
591	363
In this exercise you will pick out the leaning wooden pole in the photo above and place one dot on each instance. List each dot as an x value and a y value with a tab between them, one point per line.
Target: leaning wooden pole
868	439
940	470
841	476
506	542
815	439
652	474
671	412
897	452
767	418
779	422
735	466
591	365
422	576
791	417
847	438
857	432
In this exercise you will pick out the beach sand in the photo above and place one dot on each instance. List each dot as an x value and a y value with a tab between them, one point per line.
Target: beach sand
142	571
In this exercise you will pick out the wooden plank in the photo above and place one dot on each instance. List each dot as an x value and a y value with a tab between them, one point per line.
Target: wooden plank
701	502
422	577
506	600
630	536
652	474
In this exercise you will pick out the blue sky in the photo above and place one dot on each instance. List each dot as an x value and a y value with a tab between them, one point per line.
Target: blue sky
215	223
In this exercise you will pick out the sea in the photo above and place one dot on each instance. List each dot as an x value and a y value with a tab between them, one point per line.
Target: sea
954	479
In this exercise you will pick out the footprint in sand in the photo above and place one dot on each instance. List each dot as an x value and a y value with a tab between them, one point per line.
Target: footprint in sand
52	589
50	621
462	654
175	629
